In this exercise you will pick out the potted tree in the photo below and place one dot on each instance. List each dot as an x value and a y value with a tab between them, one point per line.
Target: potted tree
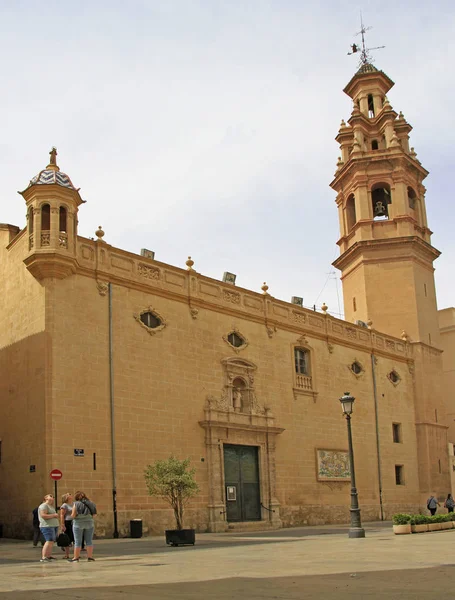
173	480
401	523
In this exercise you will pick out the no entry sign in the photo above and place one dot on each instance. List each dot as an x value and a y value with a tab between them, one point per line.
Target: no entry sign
56	474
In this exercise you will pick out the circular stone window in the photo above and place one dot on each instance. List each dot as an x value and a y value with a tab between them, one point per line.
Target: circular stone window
150	320
235	339
356	368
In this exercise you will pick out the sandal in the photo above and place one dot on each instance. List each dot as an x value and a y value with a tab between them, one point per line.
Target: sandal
73	560
91	559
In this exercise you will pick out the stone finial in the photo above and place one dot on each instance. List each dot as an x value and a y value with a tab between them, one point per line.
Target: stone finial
400	115
342	124
99	234
324	308
387	105
189	263
264	289
413	153
340	163
404	336
370	324
394	141
53	160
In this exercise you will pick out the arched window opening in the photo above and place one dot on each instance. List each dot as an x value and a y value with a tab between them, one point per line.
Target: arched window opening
381	198
45	217
412	198
63	220
30	221
351	217
375	145
370	106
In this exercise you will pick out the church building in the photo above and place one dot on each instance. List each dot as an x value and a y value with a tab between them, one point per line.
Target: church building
110	360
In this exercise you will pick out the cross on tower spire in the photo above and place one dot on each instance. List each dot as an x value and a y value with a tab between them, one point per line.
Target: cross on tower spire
365	53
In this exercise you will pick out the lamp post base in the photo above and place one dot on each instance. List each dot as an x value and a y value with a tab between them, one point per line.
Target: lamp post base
356	532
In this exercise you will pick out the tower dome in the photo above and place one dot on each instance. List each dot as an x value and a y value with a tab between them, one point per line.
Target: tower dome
52	174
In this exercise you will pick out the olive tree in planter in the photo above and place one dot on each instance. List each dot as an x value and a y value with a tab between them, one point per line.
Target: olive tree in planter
173	480
401	523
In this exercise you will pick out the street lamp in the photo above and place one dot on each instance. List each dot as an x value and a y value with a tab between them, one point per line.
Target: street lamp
355	530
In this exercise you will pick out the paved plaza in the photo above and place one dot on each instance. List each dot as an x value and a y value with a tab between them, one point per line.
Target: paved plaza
299	563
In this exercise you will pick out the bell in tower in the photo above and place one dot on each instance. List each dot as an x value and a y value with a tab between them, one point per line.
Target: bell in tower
381	199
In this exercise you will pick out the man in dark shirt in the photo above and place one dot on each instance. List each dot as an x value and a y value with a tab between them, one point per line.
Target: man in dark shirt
37	537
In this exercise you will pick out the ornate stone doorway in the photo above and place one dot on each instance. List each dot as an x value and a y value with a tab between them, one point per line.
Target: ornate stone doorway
241	478
236	418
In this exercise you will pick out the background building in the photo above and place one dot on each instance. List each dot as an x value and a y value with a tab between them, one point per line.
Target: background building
110	360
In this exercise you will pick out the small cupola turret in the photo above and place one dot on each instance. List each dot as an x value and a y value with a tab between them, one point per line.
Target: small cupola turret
52	206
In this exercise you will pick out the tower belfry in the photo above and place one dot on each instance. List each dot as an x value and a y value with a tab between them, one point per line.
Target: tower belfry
386	256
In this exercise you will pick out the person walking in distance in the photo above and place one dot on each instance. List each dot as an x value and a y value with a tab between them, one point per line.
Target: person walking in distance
48	522
66	520
83	512
449	503
432	504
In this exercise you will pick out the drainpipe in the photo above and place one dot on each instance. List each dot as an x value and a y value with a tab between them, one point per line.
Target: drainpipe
111	398
376	419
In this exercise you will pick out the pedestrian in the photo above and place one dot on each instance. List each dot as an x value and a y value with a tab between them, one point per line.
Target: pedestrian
83	524
432	504
48	522
66	520
449	503
37	535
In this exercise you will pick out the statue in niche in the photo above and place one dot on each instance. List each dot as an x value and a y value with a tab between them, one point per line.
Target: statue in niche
237	399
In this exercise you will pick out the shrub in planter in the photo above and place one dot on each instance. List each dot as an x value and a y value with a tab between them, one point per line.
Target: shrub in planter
401	523
434	523
419	523
401	519
173	480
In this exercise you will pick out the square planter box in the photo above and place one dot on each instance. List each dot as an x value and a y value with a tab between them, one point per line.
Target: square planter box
402	529
434	526
419	528
180	537
447	525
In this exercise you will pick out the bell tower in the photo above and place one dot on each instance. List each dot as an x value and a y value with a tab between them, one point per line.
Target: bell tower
52	206
386	257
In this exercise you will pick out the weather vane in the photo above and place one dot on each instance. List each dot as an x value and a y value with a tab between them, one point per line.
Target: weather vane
365	53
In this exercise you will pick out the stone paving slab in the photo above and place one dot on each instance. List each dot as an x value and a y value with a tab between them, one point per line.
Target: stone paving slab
421	584
220	564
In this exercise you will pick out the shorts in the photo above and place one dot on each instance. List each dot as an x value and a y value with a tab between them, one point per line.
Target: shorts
50	533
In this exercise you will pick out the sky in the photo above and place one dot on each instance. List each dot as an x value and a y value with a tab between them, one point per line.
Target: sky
206	127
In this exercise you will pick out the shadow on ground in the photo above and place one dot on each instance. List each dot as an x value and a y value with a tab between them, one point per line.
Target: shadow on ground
413	584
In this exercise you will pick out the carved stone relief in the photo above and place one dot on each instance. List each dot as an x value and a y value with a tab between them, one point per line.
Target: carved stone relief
102	287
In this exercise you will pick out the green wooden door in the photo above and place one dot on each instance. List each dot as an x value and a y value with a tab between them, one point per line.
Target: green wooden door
241	475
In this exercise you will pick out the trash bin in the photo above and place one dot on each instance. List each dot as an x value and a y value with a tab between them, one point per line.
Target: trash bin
136	528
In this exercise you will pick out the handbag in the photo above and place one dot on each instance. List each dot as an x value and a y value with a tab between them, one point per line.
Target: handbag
63	540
